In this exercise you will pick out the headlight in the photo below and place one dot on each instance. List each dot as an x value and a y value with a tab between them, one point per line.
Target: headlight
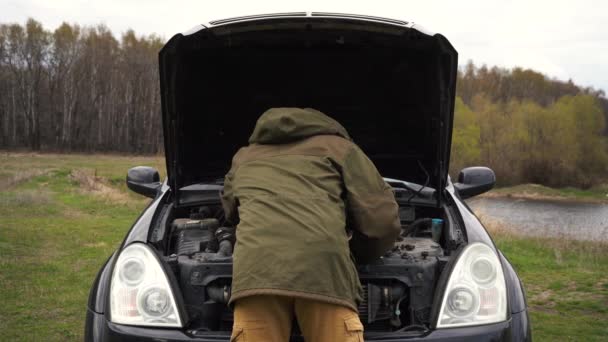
140	293
476	292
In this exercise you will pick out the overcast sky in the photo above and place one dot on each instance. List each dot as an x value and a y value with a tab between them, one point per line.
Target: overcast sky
563	39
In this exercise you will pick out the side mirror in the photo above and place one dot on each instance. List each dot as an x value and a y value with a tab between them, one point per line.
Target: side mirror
475	180
144	180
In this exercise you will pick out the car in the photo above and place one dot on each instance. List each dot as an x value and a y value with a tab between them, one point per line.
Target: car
391	83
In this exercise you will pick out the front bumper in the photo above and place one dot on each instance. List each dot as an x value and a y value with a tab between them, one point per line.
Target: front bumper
98	329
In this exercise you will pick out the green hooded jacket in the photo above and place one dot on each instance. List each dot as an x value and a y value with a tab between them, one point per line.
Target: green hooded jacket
291	193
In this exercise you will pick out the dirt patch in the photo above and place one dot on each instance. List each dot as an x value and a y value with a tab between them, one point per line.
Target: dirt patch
90	183
540	308
95	244
571	287
20	177
543	296
27	197
558	256
73	213
576	296
542	302
601	285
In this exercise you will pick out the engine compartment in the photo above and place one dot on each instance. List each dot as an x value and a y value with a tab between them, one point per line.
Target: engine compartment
398	288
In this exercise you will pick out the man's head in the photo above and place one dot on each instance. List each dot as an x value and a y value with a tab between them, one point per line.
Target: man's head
284	125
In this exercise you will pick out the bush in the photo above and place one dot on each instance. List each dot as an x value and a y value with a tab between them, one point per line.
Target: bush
523	142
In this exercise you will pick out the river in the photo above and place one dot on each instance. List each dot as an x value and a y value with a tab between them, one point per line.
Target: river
575	220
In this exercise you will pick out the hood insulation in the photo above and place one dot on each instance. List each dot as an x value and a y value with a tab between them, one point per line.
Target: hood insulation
390	86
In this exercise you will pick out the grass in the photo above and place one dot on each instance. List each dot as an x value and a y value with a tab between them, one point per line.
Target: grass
61	216
566	283
536	191
57	227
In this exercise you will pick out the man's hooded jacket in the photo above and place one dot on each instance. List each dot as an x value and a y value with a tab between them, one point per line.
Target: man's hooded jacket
295	192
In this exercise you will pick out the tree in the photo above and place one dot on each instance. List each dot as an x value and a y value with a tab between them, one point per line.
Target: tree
64	82
465	138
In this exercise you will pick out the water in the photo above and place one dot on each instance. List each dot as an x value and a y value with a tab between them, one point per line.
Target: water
581	221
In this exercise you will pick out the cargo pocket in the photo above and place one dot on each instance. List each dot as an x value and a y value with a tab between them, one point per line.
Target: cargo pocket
250	332
237	335
354	329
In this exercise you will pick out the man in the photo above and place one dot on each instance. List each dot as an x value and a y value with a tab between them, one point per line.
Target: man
290	192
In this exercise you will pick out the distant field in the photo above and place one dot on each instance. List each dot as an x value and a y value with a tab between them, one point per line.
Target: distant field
61	216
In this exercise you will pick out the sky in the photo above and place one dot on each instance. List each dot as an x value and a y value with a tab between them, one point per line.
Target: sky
562	39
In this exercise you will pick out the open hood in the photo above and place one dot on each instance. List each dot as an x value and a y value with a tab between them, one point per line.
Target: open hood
388	82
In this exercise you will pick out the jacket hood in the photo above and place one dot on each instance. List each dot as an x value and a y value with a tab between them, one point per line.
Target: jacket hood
283	125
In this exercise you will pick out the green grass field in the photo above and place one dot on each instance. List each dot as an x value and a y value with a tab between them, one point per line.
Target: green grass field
61	216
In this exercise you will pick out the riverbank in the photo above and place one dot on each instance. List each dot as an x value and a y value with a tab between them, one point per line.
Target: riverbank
570	220
598	194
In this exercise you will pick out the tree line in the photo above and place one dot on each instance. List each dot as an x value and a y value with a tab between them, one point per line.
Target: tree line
78	89
528	128
82	89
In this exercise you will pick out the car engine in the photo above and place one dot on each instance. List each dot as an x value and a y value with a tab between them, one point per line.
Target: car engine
398	288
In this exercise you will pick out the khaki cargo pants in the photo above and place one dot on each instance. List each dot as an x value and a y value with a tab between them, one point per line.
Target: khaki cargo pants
267	318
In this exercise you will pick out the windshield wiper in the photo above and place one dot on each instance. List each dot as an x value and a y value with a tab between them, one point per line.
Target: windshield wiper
414	189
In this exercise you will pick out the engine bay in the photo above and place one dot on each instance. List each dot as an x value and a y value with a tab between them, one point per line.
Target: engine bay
398	288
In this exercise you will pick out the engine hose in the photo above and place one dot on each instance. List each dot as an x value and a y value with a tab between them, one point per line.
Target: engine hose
397	311
414	227
225	249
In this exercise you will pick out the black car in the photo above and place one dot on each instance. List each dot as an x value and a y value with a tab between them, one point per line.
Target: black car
392	85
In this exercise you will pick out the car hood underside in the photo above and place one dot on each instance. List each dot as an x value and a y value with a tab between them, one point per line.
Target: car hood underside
391	86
